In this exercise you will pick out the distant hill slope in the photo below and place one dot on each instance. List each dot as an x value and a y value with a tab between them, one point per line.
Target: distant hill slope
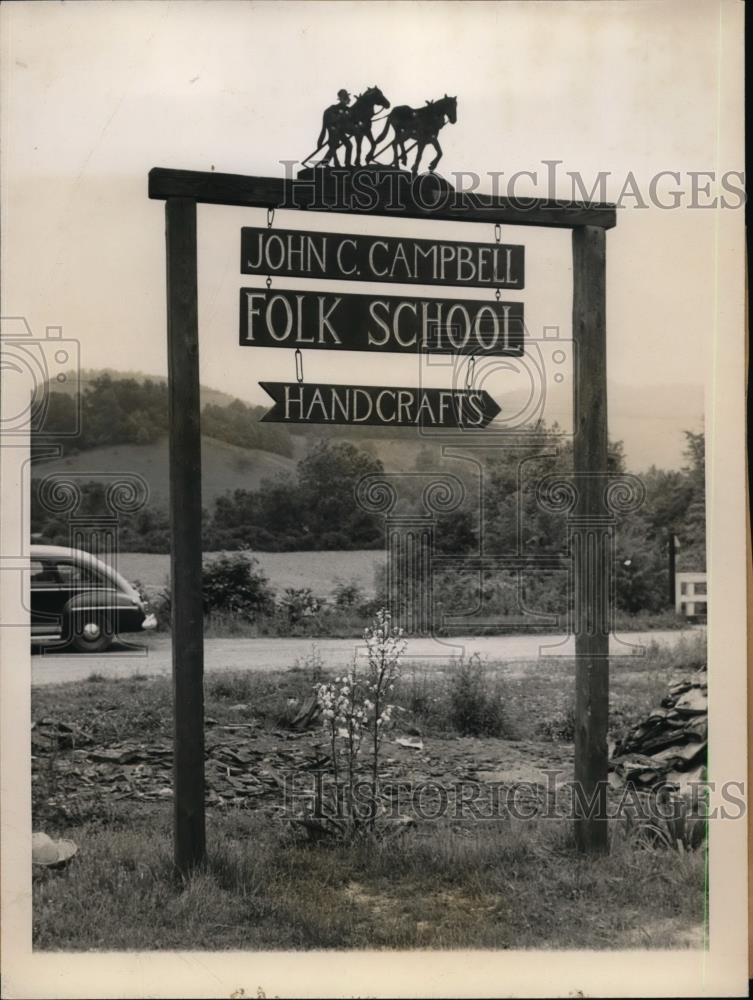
75	383
224	466
649	420
112	410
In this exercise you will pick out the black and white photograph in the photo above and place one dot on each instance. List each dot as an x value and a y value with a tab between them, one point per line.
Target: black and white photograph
373	536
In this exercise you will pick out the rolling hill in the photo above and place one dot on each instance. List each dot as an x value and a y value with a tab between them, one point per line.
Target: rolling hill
224	466
78	382
649	422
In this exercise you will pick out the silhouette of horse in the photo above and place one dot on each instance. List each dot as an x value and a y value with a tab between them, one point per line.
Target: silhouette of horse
340	124
421	124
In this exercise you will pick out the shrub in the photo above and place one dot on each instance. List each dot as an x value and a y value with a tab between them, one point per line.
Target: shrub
559	724
235	583
311	665
347	594
419	694
298	603
476	702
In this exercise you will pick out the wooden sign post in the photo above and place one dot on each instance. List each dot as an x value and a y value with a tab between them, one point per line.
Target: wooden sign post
591	553
185	526
471	265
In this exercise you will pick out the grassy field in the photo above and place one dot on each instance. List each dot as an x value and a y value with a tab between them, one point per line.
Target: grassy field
321	572
444	883
318	570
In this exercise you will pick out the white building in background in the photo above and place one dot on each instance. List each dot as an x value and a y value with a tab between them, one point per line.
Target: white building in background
690	595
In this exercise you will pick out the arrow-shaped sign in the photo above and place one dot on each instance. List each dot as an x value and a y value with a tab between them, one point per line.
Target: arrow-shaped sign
298	403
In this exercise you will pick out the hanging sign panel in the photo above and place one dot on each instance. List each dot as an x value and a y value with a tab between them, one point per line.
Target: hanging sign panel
388	323
349	257
299	403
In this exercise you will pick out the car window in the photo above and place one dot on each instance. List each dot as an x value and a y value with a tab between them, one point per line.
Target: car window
74	575
42	573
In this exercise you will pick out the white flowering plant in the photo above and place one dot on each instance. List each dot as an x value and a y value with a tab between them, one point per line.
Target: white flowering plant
357	711
385	645
344	720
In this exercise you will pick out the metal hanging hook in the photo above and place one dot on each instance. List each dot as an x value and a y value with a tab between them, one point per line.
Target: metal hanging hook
298	365
498	238
471	371
270	220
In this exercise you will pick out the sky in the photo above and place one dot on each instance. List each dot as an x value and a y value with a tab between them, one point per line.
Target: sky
94	95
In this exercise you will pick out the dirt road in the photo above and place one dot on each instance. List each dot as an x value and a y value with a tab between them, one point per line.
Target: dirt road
153	657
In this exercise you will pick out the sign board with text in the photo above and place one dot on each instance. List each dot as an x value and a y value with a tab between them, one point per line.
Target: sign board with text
374	405
349	257
389	323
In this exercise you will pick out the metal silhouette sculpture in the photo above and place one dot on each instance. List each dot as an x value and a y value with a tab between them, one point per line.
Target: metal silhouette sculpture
420	124
342	123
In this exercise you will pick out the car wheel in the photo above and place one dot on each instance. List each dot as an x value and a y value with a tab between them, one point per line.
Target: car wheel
90	633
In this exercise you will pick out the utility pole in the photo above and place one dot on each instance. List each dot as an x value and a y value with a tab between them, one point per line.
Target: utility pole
671	567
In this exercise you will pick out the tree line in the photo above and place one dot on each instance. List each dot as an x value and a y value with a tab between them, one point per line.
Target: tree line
315	509
117	411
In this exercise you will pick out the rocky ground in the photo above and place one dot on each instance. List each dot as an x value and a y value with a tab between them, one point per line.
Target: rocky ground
274	772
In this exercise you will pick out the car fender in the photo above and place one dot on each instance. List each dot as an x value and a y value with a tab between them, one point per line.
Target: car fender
101	600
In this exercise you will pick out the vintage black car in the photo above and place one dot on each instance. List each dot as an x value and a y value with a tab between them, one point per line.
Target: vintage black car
78	599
